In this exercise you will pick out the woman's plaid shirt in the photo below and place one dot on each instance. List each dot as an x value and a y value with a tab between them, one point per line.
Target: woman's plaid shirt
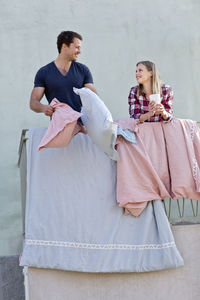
138	105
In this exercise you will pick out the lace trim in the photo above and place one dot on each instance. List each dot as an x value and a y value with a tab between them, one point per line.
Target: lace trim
195	169
195	164
192	130
99	246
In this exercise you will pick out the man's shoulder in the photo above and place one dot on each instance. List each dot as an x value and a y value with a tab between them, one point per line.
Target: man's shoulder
80	66
46	67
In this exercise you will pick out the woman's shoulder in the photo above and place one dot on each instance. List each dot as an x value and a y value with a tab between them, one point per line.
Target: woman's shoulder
134	90
166	88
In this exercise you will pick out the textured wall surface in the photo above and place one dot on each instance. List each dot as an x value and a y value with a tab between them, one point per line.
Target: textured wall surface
116	35
11	279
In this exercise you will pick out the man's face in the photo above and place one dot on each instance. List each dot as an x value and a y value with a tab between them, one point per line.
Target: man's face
73	50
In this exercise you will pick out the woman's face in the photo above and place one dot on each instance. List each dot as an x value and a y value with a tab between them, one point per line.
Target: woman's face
142	74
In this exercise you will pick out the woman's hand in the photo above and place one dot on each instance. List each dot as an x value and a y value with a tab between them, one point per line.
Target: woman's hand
152	108
159	109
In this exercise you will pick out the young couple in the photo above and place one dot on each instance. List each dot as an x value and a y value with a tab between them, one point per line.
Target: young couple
57	79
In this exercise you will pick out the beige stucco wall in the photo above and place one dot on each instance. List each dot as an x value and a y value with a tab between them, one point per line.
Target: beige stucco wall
116	35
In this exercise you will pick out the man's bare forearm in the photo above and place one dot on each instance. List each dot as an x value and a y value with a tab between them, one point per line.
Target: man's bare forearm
36	106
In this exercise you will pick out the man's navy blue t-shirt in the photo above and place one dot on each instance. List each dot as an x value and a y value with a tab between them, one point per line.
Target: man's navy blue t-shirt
61	86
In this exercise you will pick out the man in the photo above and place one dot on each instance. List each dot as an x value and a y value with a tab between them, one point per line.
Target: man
57	79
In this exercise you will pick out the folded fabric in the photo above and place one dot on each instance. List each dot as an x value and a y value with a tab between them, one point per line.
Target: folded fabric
127	134
73	221
183	144
164	163
98	122
62	127
128	123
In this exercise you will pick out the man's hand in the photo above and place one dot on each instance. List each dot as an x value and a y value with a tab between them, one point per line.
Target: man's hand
47	110
35	105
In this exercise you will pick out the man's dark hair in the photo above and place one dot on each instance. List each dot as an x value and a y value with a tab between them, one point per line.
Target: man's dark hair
67	37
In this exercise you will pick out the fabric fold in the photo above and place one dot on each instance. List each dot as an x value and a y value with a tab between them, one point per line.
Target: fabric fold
164	163
62	127
73	221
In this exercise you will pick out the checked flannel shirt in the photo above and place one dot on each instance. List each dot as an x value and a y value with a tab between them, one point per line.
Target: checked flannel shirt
139	104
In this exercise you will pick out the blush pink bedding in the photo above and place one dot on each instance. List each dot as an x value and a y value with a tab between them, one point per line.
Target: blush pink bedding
62	127
164	163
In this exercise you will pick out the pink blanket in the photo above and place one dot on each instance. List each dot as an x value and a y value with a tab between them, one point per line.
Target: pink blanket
62	127
164	163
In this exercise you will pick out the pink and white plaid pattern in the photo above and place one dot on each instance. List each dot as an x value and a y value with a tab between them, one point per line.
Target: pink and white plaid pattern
138	105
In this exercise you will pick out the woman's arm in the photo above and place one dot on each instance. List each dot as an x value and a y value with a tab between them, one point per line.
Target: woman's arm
149	114
166	108
134	106
168	104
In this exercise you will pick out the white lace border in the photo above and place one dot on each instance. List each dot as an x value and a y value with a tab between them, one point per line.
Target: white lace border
99	246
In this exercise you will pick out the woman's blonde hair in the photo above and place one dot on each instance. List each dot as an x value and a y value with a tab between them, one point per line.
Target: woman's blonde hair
156	81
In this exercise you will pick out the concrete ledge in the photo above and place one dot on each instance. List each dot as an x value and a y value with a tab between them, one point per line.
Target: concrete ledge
177	284
11	279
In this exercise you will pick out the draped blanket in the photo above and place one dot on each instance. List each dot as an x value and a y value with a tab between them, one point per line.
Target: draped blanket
62	127
164	163
73	221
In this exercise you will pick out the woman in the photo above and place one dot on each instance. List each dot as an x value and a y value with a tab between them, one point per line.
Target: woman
149	82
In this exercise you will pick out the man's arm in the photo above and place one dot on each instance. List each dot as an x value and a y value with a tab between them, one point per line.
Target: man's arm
35	105
91	87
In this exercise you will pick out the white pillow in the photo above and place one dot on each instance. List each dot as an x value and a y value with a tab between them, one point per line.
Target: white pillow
98	121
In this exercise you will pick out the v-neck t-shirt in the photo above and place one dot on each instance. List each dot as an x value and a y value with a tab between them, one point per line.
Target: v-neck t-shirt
60	86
